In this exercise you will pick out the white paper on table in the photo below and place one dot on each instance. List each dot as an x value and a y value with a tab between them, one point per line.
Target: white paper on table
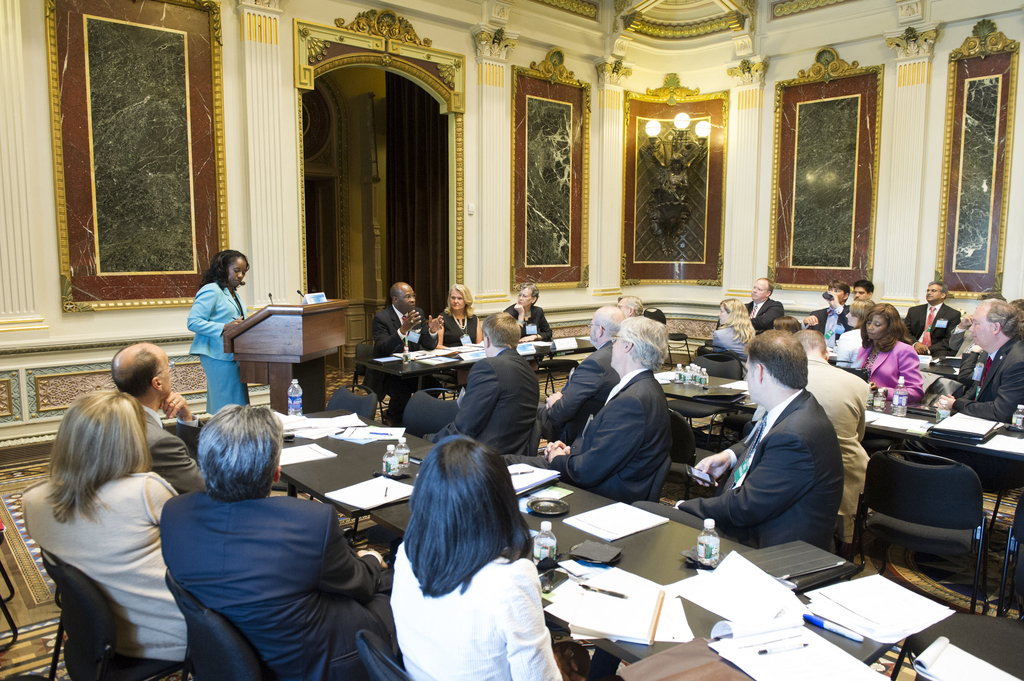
526	348
740	592
900	422
737	385
314	433
943	661
1005	443
962	423
615	521
870	416
371	433
372	493
413	356
469	356
565	344
665	377
525	476
288	422
304	453
433	361
581	571
877	608
818	659
347	421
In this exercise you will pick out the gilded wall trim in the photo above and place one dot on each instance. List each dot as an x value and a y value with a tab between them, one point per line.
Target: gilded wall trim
577	7
983	41
788	7
733	21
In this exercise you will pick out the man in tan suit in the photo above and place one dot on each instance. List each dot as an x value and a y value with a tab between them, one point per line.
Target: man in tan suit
843	396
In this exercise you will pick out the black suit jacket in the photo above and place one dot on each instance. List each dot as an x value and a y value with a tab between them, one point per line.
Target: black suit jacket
537	317
280	569
916	318
584	394
766	316
822	316
499	408
621	453
793	487
386	340
1003	388
174	458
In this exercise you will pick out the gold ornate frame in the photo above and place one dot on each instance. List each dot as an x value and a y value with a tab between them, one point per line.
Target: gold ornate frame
552	69
68	301
385	40
827	66
984	41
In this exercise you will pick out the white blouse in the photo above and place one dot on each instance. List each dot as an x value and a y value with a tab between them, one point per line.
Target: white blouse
493	632
847	347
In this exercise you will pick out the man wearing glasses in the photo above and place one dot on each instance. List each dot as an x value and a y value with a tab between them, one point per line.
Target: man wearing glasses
144	372
563	415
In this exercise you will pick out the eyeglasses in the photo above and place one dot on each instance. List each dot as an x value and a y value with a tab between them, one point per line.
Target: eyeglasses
170	365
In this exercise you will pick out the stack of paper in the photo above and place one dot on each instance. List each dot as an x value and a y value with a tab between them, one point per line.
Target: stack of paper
615	521
314	429
900	423
526	477
372	493
365	434
795	654
1005	443
304	453
472	355
565	344
877	608
969	426
943	661
737	385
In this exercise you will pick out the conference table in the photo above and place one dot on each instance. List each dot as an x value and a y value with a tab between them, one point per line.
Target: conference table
653	554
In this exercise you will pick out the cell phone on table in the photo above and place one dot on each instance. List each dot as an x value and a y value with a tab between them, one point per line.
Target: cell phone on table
699	475
551	579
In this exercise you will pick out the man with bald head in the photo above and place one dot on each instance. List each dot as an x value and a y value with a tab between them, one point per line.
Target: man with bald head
144	372
563	415
762	309
399	322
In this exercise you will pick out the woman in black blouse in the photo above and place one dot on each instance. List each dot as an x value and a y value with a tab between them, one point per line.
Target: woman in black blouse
461	326
532	324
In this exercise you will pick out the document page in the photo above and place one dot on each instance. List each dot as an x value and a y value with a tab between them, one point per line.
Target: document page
943	661
615	521
372	493
793	655
304	453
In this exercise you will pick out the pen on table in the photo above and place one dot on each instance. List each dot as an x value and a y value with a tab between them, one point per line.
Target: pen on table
521	472
781	649
602	591
380	434
834	628
811	572
385	491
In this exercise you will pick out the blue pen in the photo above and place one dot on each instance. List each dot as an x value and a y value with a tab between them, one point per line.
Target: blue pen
834	628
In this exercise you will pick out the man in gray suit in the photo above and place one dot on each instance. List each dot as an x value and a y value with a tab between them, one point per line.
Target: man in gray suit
144	372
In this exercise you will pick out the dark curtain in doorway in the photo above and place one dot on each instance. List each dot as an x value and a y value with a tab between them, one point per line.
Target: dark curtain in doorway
417	193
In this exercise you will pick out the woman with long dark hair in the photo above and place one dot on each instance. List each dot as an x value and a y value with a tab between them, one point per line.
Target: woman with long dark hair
466	595
215	309
886	355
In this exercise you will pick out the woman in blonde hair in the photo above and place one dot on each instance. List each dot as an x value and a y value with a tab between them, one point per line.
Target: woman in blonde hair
100	512
735	329
461	326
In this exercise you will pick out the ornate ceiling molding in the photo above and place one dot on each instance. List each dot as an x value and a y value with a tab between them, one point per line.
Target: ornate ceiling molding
581	8
983	41
671	91
553	70
912	43
781	8
676	31
386	24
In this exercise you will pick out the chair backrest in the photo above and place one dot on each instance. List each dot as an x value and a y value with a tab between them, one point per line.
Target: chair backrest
659	480
721	365
656	314
364	352
684	445
377	657
217	650
343	398
427	414
924	489
86	617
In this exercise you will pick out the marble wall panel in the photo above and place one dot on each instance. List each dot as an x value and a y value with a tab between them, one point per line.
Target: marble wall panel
973	221
548	182
135	132
825	184
674	192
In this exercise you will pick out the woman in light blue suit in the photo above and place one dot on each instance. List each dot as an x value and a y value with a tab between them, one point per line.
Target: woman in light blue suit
217	307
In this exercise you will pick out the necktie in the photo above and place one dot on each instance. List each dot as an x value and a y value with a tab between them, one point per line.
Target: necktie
740	471
753	311
926	337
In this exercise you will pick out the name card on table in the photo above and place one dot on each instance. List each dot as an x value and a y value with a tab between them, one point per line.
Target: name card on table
565	344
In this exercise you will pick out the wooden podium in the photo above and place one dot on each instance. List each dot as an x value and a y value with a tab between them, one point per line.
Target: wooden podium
282	342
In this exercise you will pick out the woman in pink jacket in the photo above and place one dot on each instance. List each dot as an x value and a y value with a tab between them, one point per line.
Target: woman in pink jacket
886	356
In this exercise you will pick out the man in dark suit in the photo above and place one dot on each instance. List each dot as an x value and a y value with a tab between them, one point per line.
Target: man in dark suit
623	454
785	482
278	567
144	372
762	309
932	324
564	413
399	323
831	321
499	407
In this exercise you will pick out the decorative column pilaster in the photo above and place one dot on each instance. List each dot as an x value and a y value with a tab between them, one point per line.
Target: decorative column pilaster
744	166
494	218
17	291
606	174
913	75
264	123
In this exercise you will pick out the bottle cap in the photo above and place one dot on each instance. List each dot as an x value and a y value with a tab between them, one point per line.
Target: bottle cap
391	448
709	523
401	440
545	526
1020	406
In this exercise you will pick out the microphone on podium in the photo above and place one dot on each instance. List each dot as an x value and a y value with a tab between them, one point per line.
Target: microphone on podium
271	296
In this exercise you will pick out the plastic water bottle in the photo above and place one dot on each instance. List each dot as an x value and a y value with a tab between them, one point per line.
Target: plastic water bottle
390	461
679	373
704	380
294	398
900	396
1017	421
405	352
544	544
880	400
708	544
402	452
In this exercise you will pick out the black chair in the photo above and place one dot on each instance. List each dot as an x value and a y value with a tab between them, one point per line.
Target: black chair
925	503
1013	544
997	641
676	339
718	365
374	380
555	365
344	398
427	414
684	450
659	481
4	602
376	655
217	650
85	616
722	365
656	314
